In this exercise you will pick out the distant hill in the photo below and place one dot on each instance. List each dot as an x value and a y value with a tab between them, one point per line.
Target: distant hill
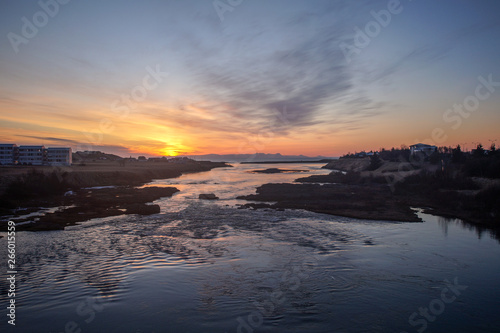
92	156
95	156
259	157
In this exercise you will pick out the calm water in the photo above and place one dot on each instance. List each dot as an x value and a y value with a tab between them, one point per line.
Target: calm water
206	266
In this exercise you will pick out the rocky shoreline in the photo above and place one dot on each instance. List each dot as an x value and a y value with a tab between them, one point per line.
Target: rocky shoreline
370	195
86	204
277	170
89	193
372	202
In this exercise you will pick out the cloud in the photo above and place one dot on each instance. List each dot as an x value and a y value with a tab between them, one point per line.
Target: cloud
46	138
294	65
431	52
80	146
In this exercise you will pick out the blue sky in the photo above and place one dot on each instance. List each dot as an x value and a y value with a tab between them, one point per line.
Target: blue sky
269	77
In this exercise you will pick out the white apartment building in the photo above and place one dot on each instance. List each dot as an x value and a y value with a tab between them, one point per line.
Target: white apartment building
32	155
59	156
11	154
8	153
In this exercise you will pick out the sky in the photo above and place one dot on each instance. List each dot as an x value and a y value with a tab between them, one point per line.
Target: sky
316	77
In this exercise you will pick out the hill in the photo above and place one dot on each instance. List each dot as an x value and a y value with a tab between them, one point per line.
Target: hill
93	156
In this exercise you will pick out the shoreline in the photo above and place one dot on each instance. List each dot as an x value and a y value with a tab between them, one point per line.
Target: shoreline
351	191
107	173
355	201
288	162
80	199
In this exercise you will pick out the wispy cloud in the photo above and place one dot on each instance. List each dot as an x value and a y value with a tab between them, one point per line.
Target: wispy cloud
50	139
432	52
305	76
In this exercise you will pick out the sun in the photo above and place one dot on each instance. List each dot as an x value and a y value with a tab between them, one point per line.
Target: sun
169	152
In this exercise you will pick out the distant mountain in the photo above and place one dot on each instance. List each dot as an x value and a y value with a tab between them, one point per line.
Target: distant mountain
259	157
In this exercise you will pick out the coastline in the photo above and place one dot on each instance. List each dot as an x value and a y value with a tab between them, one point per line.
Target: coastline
107	173
86	192
287	162
369	202
370	195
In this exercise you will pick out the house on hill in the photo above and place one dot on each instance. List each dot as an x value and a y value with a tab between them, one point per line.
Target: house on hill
422	148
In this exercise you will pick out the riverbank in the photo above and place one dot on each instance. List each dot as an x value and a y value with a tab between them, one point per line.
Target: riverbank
371	202
106	173
85	192
86	204
388	193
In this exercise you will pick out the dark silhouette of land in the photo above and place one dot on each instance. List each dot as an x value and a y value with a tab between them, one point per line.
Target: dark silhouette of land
277	170
26	189
285	162
385	186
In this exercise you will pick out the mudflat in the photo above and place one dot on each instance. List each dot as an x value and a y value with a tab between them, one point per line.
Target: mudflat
86	192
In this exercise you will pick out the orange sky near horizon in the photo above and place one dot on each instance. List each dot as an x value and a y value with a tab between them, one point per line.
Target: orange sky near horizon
140	134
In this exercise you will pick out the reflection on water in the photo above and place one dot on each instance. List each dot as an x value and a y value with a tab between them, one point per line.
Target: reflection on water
207	266
480	231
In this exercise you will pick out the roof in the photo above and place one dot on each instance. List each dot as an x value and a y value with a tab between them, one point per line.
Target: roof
422	145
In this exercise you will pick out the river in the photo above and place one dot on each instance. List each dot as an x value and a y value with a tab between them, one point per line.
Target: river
207	266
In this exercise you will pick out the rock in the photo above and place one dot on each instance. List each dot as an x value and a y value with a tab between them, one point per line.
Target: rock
208	196
143	209
277	170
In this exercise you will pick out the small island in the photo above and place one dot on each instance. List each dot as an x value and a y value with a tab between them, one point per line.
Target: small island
277	170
